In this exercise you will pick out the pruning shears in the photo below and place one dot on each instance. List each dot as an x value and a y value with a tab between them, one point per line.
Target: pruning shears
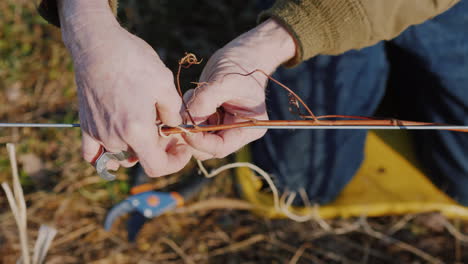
145	203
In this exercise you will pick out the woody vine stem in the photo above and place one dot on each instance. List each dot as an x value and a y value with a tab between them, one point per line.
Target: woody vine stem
281	204
309	119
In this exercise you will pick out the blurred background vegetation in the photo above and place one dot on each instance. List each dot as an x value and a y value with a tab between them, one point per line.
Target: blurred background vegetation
37	85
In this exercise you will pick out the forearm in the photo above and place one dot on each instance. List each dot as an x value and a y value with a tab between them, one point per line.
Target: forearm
83	22
49	11
335	26
68	9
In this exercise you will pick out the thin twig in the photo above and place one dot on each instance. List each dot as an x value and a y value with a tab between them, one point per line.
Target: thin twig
239	245
458	243
188	60
216	203
334	256
400	224
295	258
73	235
454	232
177	249
390	240
293	250
330	255
291	92
366	249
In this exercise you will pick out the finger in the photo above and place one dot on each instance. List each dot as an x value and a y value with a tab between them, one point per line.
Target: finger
90	148
188	94
223	143
154	155
167	162
112	165
118	146
178	155
204	101
168	110
200	155
130	162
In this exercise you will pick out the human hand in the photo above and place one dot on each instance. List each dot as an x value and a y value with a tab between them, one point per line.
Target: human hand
123	88
240	97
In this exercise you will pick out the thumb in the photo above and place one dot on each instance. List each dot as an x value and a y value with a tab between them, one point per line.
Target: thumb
188	95
204	101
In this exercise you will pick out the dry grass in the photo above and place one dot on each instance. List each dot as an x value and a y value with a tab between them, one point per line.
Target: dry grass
36	84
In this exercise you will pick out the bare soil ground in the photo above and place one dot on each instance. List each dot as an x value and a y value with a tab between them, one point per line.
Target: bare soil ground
36	85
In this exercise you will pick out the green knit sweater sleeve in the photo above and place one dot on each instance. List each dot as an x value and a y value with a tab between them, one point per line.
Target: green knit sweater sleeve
48	10
334	26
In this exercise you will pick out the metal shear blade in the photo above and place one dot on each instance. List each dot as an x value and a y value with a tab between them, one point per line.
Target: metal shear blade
104	158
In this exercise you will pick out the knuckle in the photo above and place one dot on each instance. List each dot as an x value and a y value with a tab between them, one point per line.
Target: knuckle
133	129
114	145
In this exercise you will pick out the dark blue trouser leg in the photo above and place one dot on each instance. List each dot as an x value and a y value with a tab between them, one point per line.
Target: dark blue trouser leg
435	84
433	80
322	161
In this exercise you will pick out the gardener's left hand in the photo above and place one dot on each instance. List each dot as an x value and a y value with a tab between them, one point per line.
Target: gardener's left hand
240	97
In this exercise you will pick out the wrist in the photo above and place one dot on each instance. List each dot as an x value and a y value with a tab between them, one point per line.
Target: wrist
83	20
279	43
271	45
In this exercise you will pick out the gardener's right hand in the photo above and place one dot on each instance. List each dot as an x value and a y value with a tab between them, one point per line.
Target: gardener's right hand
123	88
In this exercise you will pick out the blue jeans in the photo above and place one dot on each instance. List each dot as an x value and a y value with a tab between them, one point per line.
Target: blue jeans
426	68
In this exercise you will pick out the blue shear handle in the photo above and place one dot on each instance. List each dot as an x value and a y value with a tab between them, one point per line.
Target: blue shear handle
152	204
149	204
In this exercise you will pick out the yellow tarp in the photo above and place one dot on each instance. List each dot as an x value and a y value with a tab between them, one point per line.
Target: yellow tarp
388	182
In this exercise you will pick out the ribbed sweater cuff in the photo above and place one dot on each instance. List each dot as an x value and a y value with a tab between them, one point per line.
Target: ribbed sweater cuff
49	11
319	27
